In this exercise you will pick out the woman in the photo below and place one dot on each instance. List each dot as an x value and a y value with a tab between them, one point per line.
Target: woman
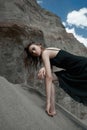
73	77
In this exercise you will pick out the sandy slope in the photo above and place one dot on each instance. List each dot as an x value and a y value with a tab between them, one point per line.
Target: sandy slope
23	110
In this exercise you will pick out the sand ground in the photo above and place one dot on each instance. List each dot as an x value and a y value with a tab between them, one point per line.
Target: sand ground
24	110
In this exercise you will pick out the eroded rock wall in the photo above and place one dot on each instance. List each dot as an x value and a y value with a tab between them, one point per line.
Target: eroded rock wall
13	39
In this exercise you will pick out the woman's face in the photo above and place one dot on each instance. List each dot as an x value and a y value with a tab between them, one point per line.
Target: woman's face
35	50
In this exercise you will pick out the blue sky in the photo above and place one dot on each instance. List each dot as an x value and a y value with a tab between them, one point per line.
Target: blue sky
73	14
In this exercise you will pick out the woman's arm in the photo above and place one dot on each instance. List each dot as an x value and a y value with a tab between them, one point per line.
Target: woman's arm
48	78
41	73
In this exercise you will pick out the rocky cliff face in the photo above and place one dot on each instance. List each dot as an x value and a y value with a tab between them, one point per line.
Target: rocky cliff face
13	38
24	21
28	12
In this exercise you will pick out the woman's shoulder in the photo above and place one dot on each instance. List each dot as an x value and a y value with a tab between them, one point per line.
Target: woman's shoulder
50	52
53	48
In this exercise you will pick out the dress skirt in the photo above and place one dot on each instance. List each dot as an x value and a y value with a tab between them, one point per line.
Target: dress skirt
73	79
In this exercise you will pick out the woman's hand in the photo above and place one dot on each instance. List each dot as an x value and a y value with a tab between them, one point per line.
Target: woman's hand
49	111
42	73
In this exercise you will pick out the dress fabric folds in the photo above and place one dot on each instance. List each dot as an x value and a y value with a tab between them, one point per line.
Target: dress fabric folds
73	79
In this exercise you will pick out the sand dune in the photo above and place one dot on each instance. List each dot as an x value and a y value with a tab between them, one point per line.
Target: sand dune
23	110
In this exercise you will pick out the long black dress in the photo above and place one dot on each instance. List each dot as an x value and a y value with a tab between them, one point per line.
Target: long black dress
73	79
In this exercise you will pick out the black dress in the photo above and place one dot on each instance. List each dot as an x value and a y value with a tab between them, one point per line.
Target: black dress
73	79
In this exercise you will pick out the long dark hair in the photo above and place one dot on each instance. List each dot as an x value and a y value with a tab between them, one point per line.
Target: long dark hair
29	59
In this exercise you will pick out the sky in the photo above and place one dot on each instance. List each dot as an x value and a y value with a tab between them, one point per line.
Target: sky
73	14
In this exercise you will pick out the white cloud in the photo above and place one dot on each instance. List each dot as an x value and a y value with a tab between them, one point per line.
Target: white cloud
78	37
39	1
64	24
78	18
